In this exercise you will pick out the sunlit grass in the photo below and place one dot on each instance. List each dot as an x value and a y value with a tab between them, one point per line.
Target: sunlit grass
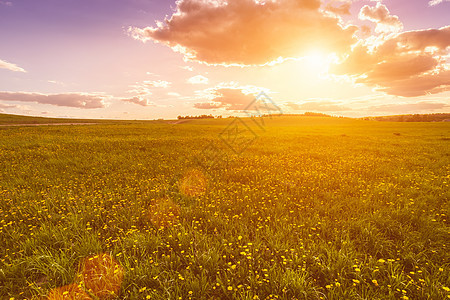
315	208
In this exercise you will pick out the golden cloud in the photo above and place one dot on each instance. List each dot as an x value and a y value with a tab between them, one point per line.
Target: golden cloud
408	64
248	32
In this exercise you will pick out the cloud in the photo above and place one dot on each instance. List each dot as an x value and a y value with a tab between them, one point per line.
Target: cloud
78	100
408	64
409	107
2	106
145	87
138	100
228	98
188	68
6	3
56	82
158	83
10	66
436	2
208	105
248	32
380	15
322	106
234	97
342	9
420	85
199	79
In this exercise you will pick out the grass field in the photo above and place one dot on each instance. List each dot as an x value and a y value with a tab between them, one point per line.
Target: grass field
313	208
8	119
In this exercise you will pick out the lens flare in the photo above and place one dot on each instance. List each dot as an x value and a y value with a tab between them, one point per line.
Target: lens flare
102	275
68	292
163	213
193	183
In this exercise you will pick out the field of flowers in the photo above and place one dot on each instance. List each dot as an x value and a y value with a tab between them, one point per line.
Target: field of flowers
282	208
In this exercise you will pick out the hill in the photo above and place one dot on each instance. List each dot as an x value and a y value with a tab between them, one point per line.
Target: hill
444	117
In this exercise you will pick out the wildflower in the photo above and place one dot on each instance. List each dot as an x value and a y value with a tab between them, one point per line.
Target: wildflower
71	291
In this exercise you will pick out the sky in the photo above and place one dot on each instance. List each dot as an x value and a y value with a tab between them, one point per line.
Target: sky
148	59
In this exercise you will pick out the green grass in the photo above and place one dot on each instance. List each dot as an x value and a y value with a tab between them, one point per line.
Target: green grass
8	119
314	208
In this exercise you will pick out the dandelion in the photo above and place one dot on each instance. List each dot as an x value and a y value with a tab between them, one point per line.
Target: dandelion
72	291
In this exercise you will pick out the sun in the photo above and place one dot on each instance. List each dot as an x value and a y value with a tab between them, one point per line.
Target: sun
316	62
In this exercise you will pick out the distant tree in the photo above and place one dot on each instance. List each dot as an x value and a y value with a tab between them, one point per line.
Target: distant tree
439	117
196	117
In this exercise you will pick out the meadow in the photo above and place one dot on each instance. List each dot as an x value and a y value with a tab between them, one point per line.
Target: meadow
287	208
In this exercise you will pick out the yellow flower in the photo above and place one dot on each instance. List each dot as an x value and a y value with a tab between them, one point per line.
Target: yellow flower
230	288
355	281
